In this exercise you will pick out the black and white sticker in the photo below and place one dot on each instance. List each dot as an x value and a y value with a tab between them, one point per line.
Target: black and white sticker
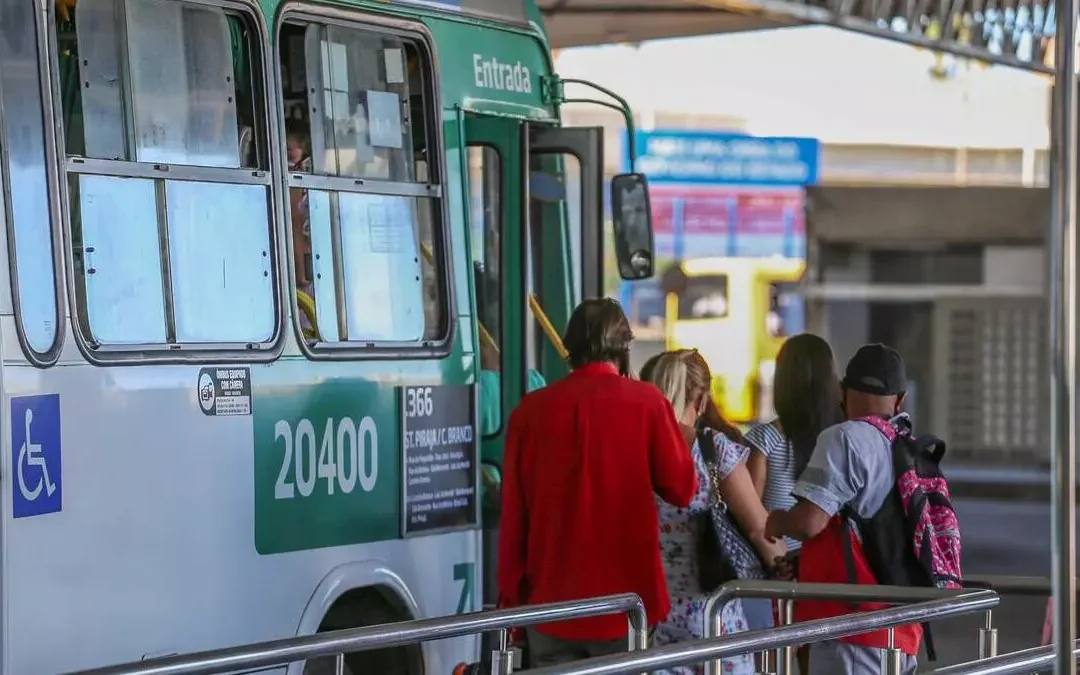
225	391
439	458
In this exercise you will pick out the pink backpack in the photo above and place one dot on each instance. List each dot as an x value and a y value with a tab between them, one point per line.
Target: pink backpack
914	538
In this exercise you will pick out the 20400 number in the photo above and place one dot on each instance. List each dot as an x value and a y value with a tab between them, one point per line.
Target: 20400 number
347	453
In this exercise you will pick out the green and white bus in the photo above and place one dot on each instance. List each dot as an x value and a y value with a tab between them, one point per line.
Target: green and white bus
253	249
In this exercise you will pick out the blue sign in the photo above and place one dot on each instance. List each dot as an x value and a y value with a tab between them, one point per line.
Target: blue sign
35	455
726	159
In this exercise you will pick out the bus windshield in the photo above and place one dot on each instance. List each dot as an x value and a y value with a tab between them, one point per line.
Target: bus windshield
704	297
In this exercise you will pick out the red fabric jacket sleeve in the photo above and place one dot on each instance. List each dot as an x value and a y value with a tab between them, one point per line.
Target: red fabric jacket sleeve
674	475
513	524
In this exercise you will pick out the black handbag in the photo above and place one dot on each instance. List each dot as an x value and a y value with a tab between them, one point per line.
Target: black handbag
724	552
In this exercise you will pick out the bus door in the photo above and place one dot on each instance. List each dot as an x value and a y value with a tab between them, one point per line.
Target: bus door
535	198
566	212
535	205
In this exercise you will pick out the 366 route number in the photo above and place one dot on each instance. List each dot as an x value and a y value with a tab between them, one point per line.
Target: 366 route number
418	402
345	454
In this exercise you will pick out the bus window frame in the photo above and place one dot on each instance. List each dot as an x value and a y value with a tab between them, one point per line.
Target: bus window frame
500	176
433	189
265	129
45	45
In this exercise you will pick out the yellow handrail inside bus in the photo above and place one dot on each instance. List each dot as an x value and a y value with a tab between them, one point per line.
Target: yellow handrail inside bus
534	305
307	306
485	336
549	330
63	8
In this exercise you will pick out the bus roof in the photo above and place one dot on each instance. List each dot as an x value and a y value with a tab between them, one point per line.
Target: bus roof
723	264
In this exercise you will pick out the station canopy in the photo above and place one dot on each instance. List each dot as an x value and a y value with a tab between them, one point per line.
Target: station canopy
1017	33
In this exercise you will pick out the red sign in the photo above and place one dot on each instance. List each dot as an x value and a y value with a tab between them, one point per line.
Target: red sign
723	210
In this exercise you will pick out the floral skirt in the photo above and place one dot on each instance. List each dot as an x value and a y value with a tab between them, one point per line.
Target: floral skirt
687	622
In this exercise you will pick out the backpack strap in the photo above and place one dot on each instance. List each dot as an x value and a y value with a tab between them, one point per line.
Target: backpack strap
887	429
928	642
847	514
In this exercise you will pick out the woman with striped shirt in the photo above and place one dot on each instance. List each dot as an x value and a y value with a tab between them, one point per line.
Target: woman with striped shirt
806	395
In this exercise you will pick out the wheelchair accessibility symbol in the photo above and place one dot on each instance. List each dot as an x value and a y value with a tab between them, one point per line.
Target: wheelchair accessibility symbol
35	455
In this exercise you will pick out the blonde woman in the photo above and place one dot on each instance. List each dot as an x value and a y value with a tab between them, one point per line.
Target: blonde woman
684	377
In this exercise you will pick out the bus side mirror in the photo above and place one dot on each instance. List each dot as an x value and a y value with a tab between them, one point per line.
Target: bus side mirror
632	219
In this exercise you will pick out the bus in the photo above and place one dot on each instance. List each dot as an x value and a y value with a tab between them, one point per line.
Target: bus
247	297
737	311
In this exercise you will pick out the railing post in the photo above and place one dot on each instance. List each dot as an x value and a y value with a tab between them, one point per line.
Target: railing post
339	664
713	627
892	657
502	660
988	635
638	623
785	612
767	659
1061	250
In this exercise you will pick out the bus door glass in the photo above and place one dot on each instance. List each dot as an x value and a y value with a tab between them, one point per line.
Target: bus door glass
496	188
565	233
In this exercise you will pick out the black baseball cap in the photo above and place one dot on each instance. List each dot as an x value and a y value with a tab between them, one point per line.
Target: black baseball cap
876	369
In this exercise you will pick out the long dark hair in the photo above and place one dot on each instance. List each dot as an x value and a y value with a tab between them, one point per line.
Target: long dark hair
806	393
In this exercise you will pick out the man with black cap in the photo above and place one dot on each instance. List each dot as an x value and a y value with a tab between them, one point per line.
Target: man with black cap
850	474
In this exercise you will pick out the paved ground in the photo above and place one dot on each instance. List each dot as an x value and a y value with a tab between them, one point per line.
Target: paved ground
1000	537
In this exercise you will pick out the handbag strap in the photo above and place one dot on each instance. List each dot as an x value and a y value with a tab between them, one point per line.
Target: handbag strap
706	439
707	444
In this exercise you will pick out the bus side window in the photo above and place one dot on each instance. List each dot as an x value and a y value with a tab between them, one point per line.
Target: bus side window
168	174
368	261
30	249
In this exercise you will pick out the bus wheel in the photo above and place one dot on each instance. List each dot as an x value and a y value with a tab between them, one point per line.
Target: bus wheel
369	607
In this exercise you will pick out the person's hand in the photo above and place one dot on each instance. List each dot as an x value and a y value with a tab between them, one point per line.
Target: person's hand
784	569
773	533
489	358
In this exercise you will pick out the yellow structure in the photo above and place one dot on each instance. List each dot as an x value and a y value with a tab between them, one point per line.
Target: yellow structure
732	311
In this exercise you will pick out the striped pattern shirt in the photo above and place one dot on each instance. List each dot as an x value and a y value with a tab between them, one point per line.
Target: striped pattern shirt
780	473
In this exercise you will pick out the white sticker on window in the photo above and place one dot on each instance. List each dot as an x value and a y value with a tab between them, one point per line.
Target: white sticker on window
395	66
384	120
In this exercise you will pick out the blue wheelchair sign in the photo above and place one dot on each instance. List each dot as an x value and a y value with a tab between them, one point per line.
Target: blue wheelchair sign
35	455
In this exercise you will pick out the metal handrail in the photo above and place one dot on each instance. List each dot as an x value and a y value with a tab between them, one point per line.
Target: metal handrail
1015	663
698	651
1014	585
792	590
787	591
335	643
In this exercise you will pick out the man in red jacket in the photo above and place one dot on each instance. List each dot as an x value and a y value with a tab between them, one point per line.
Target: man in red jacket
583	458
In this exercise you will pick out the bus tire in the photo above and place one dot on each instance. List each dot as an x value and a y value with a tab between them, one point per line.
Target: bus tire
369	607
